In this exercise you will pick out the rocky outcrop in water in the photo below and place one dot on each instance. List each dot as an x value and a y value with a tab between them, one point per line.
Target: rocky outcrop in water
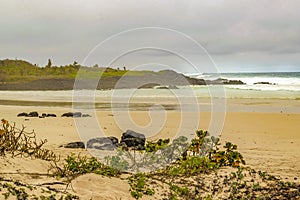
263	83
222	81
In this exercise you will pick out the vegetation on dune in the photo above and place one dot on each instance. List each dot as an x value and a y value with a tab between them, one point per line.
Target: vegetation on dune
205	170
18	142
12	189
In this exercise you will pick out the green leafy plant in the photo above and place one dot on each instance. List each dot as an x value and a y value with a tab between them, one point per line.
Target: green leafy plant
78	165
155	146
177	191
229	157
116	162
139	186
152	160
202	144
11	189
191	166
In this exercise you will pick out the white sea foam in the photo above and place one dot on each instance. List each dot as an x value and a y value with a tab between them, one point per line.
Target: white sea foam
263	87
278	81
273	80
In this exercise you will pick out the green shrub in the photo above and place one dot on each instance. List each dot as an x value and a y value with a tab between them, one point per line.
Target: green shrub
75	166
155	146
229	157
192	166
139	186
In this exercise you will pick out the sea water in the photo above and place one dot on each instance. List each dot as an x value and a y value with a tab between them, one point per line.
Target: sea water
283	85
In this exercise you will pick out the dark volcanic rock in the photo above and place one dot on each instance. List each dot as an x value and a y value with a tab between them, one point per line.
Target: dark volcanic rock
33	114
134	139
263	83
114	140
71	114
196	81
23	114
234	82
162	87
222	81
68	114
166	87
51	115
108	147
47	115
74	145
77	114
148	85
103	143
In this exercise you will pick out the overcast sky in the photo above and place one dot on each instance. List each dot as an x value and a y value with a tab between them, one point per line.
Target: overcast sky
237	35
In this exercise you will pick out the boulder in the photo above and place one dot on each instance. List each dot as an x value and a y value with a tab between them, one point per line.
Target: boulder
114	140
77	114
23	114
134	140
103	143
108	147
68	114
71	114
33	114
74	145
51	115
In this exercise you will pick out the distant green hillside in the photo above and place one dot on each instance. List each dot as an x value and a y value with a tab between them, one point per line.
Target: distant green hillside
22	71
22	75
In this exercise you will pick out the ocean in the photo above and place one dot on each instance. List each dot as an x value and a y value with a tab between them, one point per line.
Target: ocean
284	85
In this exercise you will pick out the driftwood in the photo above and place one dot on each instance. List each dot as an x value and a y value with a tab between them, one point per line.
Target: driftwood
18	142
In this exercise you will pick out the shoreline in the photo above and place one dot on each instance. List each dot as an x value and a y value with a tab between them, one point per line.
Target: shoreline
256	105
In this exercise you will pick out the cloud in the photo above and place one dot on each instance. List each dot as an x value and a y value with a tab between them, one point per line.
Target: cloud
260	31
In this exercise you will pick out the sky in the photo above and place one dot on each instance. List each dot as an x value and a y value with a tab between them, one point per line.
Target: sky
186	36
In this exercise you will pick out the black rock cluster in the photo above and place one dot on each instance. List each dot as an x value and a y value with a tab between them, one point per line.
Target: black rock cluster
36	114
129	140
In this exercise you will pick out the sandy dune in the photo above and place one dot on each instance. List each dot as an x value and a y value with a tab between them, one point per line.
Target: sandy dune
268	141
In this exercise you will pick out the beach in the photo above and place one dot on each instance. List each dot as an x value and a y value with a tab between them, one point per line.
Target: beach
267	138
265	129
